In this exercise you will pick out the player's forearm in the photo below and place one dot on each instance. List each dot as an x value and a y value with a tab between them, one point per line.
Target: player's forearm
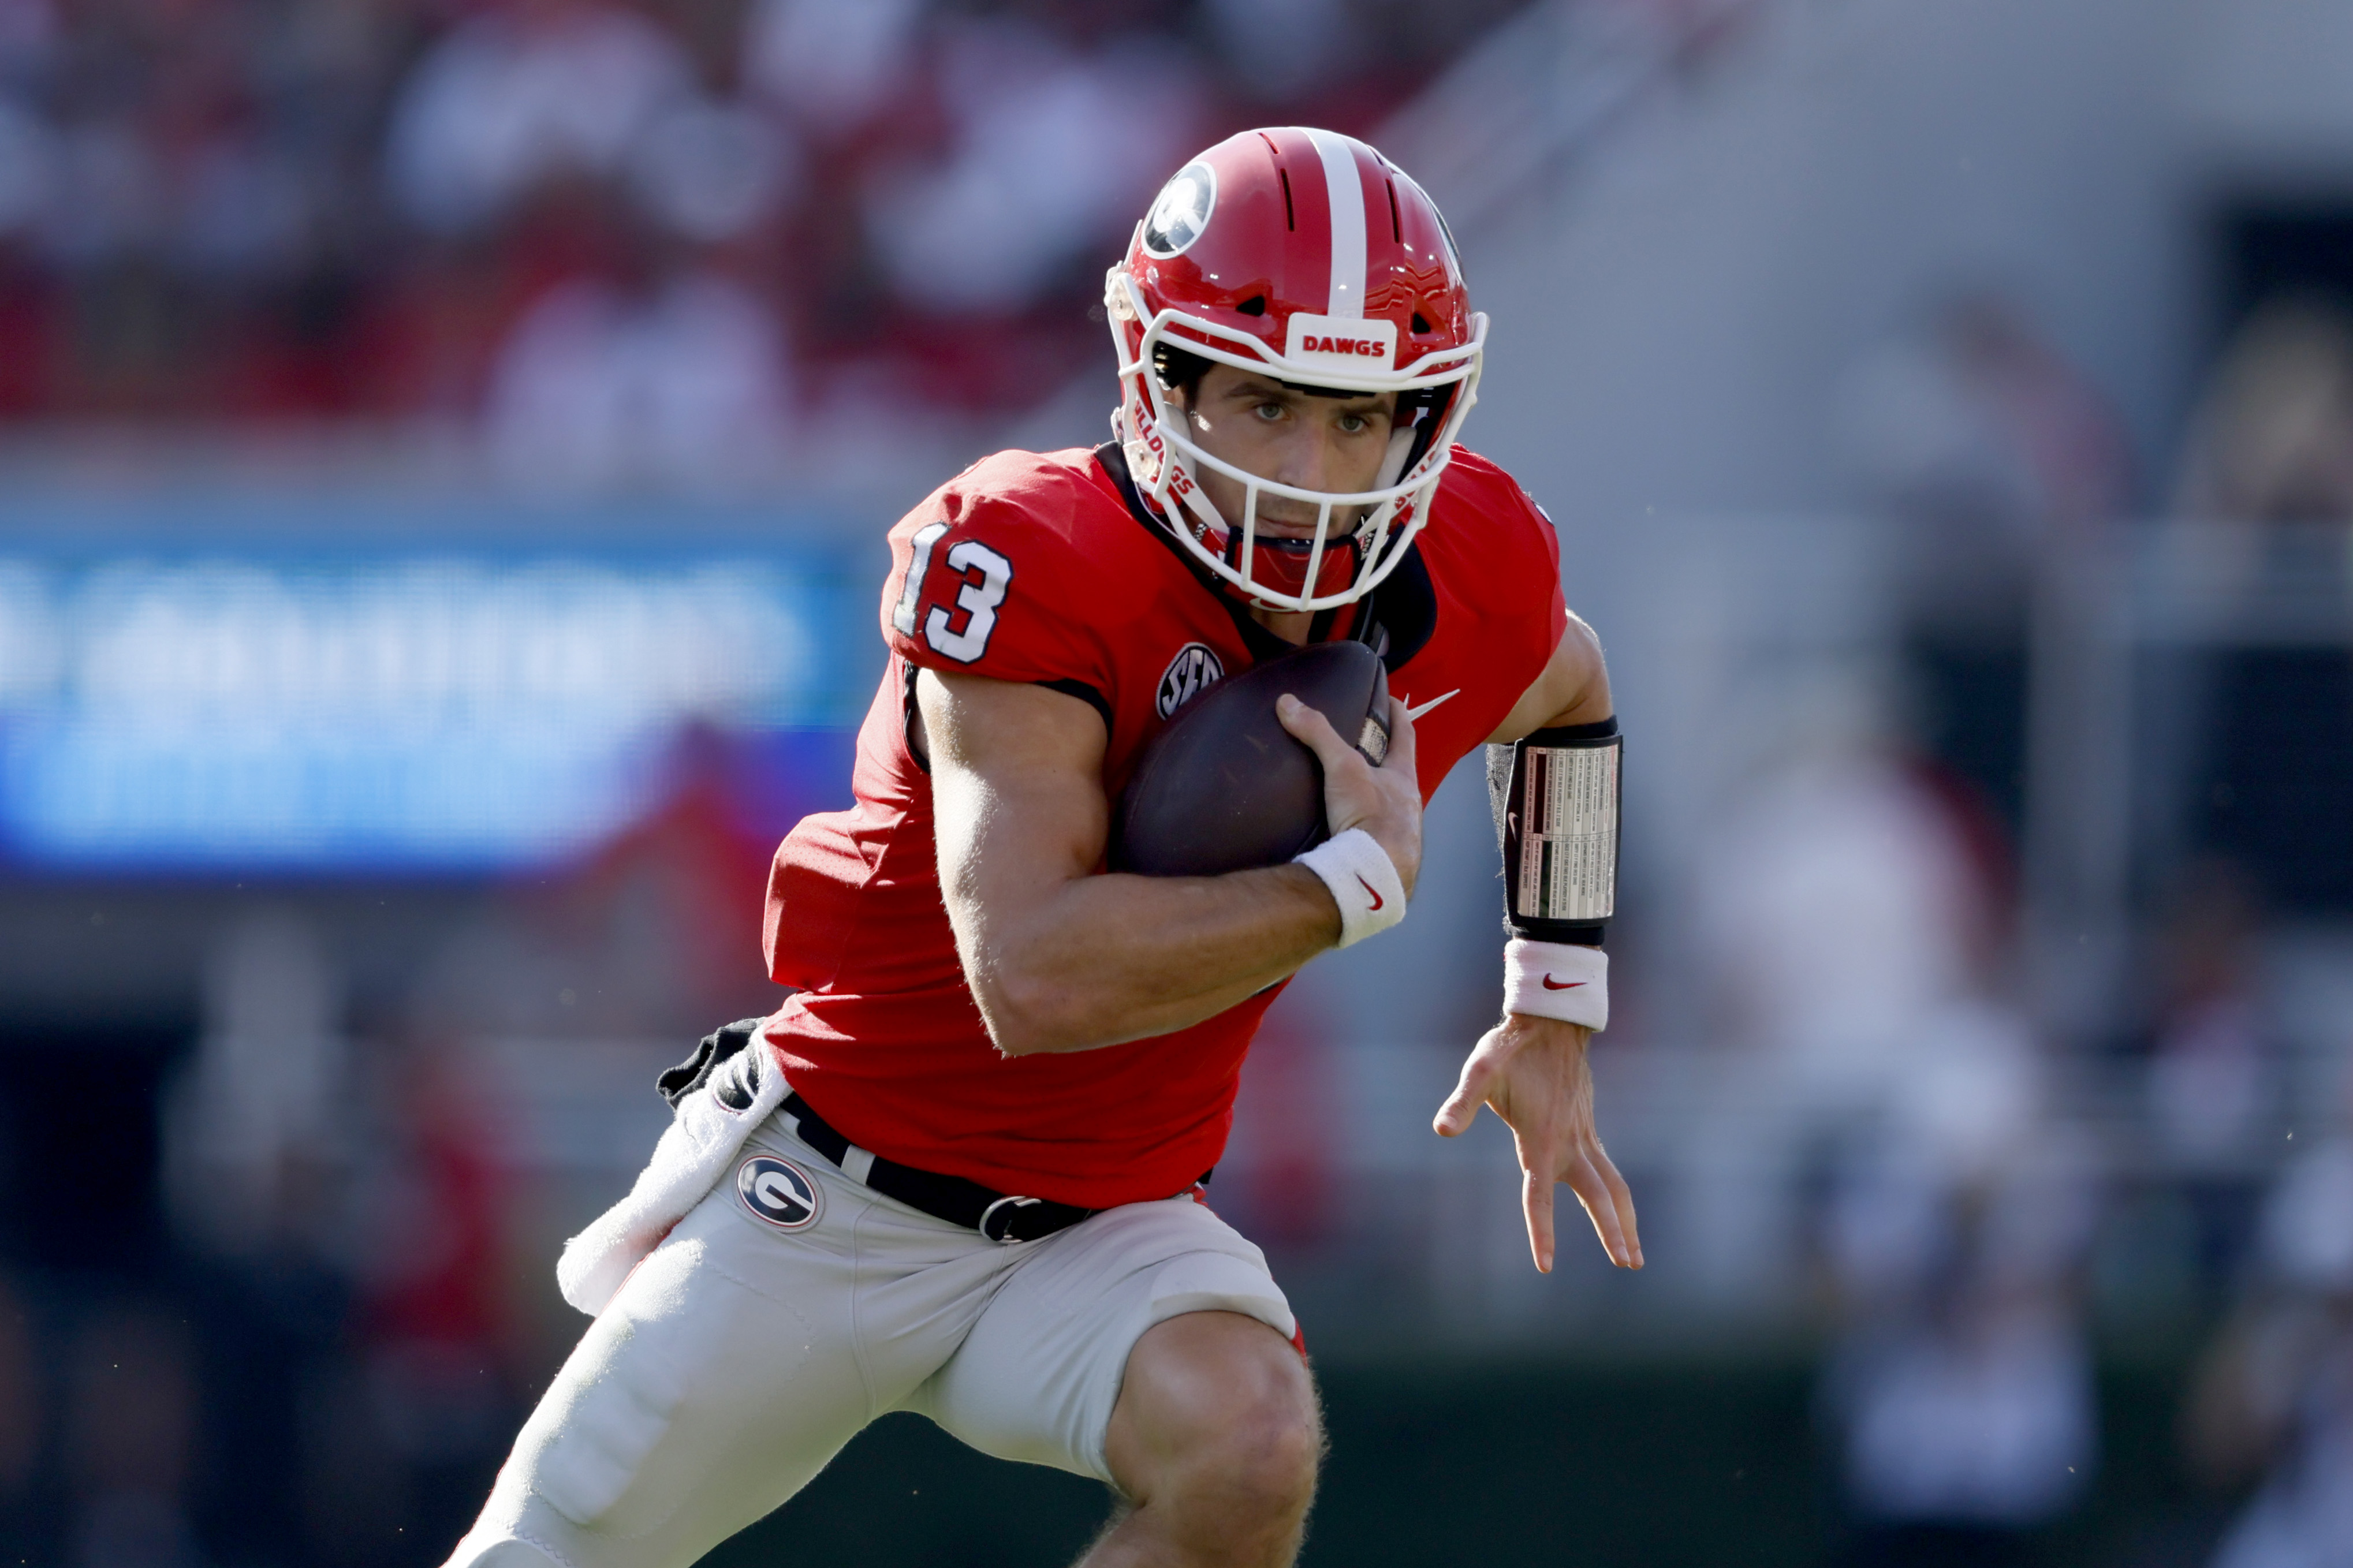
1107	959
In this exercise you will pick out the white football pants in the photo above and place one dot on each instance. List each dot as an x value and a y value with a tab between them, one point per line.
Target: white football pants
757	1340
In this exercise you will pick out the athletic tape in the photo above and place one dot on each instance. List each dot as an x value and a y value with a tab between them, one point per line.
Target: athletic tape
1363	882
1557	980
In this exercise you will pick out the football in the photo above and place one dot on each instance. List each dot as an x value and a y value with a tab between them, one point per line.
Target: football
1226	788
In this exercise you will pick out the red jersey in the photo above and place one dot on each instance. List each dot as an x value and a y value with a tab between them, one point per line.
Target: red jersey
1045	569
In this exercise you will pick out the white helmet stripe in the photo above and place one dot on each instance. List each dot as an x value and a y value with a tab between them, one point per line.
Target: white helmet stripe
1345	189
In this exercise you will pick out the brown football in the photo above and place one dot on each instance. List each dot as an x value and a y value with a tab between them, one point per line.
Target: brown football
1225	787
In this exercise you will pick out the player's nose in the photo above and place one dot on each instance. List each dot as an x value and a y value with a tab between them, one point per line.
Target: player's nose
1310	458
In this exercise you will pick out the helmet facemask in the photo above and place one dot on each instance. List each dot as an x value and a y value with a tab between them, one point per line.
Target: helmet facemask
1360	536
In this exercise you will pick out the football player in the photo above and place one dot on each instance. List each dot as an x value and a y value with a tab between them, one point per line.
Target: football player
959	1171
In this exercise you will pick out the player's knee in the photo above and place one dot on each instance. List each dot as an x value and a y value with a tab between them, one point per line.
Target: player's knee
1252	1439
1265	1460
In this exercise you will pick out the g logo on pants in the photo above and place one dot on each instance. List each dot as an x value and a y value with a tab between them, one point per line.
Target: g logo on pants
778	1193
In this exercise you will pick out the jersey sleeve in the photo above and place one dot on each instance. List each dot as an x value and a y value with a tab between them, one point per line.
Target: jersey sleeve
1548	538
987	578
1522	564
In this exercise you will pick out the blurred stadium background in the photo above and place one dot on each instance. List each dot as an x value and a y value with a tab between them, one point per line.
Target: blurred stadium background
445	446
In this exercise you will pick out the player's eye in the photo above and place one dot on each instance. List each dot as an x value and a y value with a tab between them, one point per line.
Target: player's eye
1355	423
1272	411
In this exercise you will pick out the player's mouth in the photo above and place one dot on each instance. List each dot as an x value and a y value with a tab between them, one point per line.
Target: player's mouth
1272	524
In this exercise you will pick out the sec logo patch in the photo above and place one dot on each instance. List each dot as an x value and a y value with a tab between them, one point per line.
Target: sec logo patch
1193	671
778	1193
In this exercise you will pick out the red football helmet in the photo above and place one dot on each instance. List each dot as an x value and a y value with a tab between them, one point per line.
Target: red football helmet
1308	255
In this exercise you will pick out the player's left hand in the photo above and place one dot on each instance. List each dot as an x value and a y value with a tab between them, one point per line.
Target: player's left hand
1385	801
1532	1071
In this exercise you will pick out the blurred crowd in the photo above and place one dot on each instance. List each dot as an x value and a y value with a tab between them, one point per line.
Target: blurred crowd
660	233
288	1298
1978	1180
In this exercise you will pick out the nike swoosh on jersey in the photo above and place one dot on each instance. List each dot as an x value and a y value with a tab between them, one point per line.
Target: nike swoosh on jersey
1552	985
1377	899
1414	714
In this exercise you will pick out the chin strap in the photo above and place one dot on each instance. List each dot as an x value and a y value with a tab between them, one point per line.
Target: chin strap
1279	565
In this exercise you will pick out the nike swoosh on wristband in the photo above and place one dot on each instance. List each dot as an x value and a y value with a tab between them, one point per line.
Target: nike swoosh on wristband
1552	985
1377	899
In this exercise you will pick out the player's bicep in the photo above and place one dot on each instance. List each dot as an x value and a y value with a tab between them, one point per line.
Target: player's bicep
1573	687
1017	789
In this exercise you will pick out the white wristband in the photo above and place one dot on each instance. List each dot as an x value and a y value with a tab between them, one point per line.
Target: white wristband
1558	980
1364	883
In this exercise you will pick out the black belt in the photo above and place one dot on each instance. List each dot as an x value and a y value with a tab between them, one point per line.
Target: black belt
1000	1217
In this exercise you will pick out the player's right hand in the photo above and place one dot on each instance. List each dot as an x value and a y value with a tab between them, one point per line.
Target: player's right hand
1384	801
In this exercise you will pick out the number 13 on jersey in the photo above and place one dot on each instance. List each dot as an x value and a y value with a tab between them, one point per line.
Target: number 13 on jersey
986	574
